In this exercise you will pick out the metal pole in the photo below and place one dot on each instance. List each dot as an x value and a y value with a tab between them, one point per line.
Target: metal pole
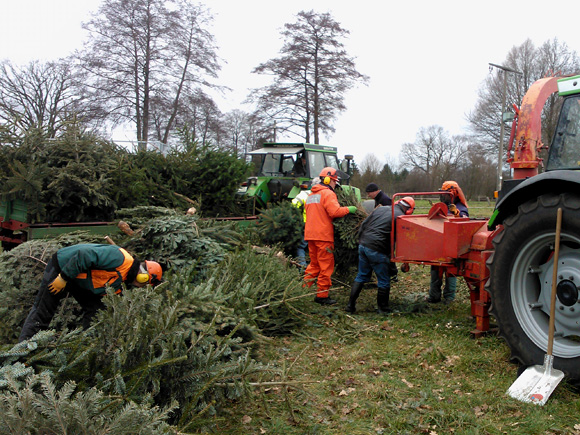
500	156
505	70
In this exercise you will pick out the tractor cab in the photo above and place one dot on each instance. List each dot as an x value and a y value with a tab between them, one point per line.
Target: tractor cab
565	149
282	170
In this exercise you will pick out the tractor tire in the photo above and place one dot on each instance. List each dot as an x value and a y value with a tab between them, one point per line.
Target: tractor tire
520	282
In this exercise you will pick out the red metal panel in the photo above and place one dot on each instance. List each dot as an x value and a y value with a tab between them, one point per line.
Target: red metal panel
419	239
436	240
458	233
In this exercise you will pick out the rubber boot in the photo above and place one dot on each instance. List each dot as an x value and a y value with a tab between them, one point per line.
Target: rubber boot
324	301
393	272
383	300
435	286
354	294
449	289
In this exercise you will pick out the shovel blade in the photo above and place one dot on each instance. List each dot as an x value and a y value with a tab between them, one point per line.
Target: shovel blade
536	384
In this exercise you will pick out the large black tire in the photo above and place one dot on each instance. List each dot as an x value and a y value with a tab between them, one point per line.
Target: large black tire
521	281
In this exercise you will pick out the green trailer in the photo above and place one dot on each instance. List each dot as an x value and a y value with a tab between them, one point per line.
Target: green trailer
15	228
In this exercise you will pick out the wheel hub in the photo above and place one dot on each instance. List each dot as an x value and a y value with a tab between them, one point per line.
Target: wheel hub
567	292
567	304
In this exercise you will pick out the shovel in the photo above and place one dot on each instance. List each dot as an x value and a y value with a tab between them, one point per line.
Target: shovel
537	383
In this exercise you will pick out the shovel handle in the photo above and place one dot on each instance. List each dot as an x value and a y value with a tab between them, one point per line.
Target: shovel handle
554	283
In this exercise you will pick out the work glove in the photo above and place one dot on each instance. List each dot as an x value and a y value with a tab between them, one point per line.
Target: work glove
352	209
57	285
453	209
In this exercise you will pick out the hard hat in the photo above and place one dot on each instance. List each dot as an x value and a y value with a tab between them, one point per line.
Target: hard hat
155	272
408	202
451	186
328	174
455	190
151	273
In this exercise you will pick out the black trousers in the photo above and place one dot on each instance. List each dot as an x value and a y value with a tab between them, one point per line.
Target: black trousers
46	304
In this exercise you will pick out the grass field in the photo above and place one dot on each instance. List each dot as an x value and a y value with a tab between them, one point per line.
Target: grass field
416	371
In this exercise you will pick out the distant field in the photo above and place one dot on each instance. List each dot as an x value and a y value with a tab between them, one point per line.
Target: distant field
477	209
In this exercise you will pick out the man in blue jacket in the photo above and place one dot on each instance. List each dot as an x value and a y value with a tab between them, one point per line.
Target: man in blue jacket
374	250
84	271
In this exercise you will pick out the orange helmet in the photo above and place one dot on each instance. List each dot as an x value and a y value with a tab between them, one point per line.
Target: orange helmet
328	174
408	202
453	187
152	275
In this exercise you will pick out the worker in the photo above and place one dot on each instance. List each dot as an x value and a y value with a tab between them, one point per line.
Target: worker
300	165
322	208
453	197
378	195
83	271
374	251
382	198
299	202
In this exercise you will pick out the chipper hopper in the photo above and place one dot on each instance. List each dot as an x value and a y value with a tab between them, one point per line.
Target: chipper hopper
460	245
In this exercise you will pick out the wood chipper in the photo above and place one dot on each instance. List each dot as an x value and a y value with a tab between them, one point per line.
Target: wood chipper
507	261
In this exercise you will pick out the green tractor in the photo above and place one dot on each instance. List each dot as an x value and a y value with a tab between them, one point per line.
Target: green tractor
283	170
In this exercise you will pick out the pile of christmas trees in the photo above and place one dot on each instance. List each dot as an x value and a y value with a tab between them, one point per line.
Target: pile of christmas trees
156	360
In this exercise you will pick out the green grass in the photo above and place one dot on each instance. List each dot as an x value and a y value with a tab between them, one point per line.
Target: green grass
416	371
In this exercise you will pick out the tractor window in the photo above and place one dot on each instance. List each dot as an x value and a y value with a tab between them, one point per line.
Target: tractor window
287	164
565	149
256	160
332	161
316	163
271	164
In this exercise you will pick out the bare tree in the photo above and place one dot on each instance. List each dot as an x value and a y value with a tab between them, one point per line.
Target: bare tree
369	170
37	96
311	77
552	58
434	154
244	132
202	116
477	175
144	56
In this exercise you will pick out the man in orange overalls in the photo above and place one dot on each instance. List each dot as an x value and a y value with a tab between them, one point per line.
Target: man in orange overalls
322	208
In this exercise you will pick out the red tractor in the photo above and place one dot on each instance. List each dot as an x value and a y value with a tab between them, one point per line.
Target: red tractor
507	260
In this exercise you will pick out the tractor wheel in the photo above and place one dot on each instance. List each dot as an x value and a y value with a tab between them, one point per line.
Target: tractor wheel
520	282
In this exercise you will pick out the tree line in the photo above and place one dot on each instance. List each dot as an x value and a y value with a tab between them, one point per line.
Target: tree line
471	159
154	63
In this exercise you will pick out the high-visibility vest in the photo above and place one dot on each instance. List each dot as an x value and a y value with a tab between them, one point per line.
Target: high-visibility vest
300	200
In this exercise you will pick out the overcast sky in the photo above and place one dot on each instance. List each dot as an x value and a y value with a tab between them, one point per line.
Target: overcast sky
425	59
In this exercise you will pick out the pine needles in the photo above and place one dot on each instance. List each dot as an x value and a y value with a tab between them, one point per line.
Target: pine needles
169	358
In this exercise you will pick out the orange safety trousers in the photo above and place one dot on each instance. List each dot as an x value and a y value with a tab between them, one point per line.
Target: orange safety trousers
321	266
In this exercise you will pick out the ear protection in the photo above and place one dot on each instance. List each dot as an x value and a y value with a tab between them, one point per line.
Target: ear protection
142	276
326	180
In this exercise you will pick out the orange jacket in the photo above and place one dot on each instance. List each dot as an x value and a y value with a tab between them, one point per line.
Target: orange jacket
322	208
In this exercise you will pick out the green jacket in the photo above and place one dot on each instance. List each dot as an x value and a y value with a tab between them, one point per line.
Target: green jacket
93	267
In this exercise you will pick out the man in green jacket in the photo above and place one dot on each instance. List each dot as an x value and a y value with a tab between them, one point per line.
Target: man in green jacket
84	271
